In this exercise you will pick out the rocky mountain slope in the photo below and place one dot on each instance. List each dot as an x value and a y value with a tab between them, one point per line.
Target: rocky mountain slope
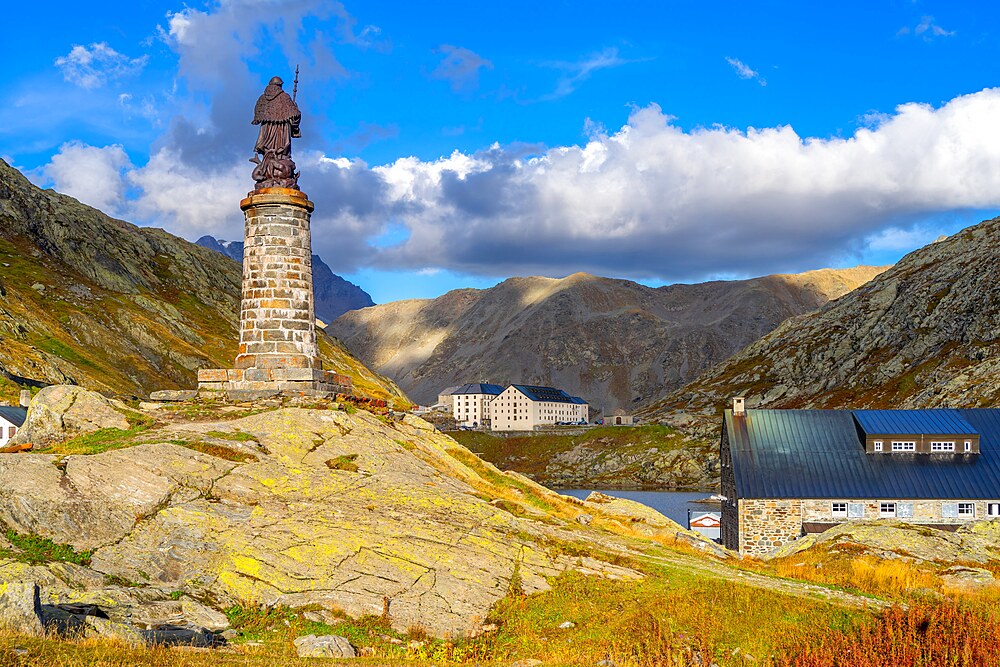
922	334
613	342
318	508
334	295
99	302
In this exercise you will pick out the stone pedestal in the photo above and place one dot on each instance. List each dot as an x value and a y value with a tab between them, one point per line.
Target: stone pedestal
278	350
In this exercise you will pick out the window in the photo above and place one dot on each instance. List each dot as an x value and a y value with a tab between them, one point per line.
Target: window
949	510
887	509
878	445
904	510
993	509
855	510
903	446
968	446
12	431
838	509
942	446
967	509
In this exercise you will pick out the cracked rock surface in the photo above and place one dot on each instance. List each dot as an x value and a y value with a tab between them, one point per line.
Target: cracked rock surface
333	509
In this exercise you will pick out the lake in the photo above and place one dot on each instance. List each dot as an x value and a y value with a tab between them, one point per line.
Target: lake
673	504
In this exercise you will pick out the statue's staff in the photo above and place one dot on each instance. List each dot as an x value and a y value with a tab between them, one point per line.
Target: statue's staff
295	84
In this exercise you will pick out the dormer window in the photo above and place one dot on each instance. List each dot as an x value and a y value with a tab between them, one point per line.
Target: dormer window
904	446
878	445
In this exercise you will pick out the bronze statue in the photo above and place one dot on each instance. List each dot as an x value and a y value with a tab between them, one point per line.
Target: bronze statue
278	117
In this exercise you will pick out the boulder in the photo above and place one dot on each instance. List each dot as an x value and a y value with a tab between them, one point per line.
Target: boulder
94	626
183	612
61	412
960	576
324	646
20	608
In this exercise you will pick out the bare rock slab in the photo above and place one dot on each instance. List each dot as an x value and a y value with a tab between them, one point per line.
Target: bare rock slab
324	646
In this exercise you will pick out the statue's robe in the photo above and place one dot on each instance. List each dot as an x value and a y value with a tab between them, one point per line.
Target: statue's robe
278	117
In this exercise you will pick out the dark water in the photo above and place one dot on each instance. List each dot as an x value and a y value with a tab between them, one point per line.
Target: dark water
673	504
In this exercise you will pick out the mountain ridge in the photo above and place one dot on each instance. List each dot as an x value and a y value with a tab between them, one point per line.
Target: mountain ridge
614	342
922	334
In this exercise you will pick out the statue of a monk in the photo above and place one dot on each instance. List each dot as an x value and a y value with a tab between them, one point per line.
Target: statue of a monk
278	117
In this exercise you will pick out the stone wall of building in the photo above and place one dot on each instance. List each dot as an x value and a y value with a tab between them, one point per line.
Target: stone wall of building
277	319
765	524
924	511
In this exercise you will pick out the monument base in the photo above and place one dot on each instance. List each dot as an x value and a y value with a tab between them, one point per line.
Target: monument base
290	381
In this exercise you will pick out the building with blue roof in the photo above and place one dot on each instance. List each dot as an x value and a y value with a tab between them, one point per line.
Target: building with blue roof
522	407
470	403
786	473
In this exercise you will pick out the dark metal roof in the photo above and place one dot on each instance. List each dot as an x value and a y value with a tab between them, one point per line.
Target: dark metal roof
15	416
923	422
491	389
577	400
819	454
545	394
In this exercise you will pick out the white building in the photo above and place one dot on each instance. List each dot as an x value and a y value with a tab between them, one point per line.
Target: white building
619	419
523	407
11	419
472	401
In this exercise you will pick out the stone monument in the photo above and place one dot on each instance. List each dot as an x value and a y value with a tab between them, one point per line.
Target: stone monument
278	350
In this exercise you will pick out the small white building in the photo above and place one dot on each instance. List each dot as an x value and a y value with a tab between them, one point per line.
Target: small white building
11	419
619	419
471	403
523	407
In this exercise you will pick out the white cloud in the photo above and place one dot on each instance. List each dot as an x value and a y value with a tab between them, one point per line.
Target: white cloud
97	65
94	175
188	200
744	71
649	201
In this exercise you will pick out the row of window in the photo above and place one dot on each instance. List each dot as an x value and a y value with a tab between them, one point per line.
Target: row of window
910	446
11	432
904	510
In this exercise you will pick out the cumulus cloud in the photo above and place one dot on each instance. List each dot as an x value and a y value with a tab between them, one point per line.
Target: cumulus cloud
94	175
95	65
744	71
655	201
460	67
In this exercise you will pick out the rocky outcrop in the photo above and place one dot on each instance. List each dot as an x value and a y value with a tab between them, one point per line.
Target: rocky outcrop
613	342
974	542
334	295
120	309
923	334
20	609
409	524
60	412
325	646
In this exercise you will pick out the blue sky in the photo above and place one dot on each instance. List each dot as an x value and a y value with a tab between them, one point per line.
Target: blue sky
454	144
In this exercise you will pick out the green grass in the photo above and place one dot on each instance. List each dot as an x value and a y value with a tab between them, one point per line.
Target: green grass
218	451
100	441
36	550
237	436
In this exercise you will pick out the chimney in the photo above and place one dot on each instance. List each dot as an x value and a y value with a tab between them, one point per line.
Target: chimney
739	406
25	398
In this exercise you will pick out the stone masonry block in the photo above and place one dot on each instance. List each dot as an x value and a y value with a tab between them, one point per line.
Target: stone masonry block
212	375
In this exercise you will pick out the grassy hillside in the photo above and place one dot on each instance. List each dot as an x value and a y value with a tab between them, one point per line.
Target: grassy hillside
649	455
89	300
